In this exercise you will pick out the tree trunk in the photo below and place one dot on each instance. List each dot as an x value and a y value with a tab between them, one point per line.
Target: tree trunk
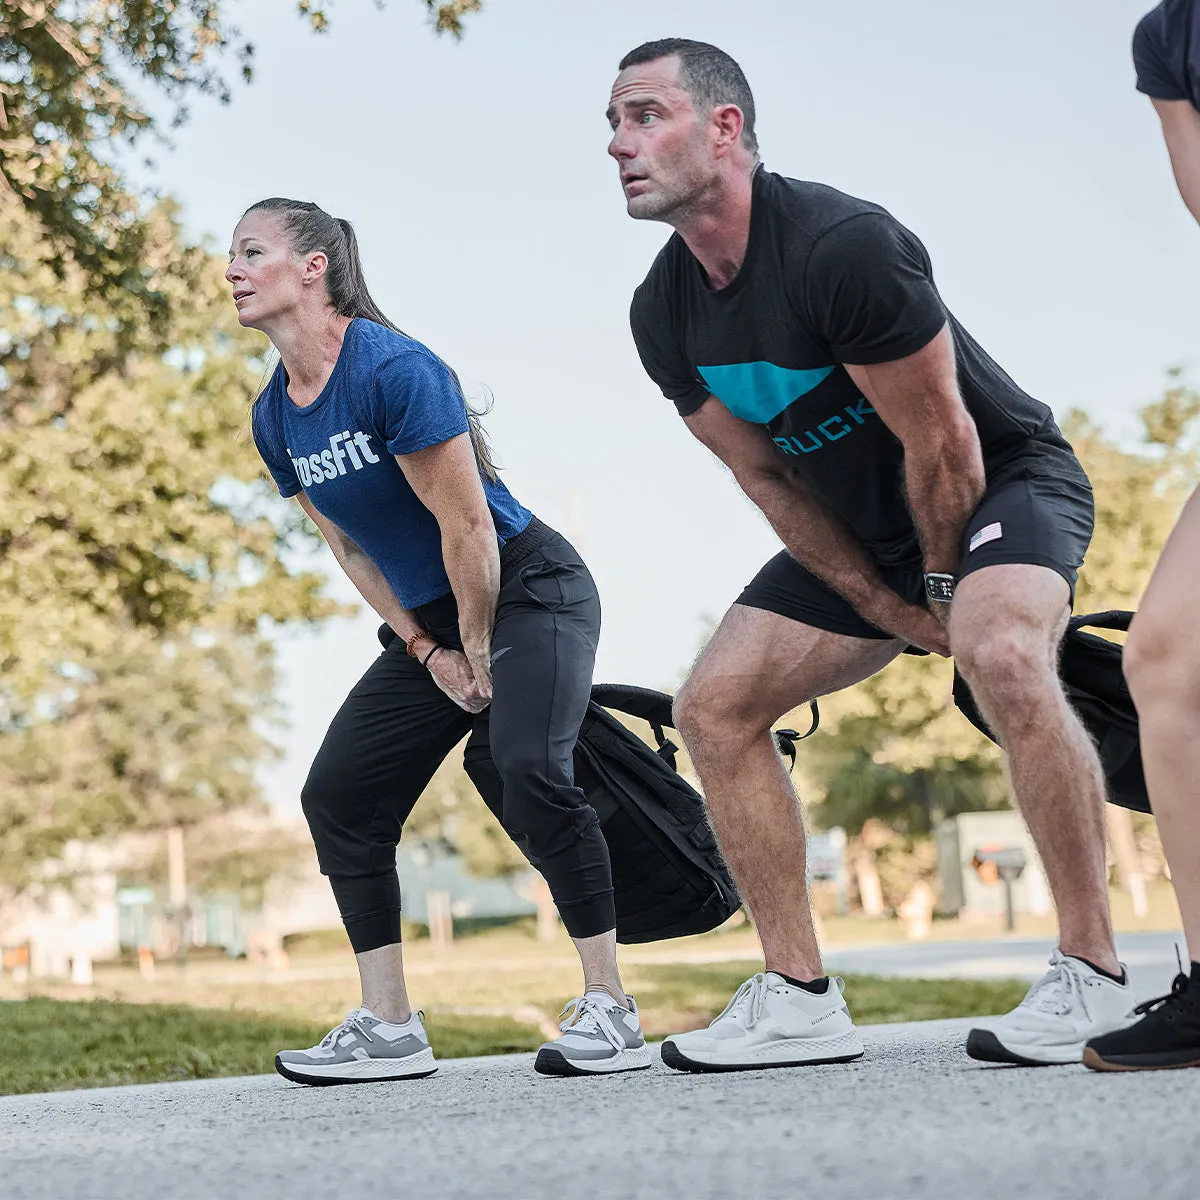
1125	855
866	876
547	915
441	923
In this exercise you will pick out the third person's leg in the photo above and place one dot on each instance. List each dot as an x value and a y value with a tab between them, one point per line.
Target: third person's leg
1162	664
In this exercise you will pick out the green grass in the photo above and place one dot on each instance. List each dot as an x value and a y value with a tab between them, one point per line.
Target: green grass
55	1044
50	1045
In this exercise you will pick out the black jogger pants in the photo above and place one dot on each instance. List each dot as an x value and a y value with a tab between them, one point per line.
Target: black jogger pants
396	727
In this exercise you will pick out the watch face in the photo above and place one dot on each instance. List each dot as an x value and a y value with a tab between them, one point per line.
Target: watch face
939	587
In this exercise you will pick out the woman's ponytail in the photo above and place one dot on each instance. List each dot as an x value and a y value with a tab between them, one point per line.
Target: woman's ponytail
310	228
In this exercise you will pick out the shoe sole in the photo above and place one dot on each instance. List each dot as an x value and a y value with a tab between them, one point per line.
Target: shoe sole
1165	1060
552	1061
317	1078
984	1046
675	1058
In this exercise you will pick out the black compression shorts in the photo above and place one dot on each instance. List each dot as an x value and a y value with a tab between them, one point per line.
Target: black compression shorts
1025	518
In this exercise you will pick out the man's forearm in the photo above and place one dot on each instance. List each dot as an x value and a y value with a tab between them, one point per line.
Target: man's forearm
943	491
820	540
472	562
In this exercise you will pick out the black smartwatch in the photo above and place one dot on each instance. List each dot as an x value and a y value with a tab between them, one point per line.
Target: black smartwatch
939	588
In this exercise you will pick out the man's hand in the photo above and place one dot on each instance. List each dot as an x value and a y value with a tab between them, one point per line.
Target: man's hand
912	623
452	672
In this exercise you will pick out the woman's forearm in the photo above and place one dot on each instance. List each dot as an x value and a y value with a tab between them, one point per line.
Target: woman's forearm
373	587
472	561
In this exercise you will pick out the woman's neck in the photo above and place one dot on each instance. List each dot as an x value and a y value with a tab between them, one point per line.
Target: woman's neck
309	350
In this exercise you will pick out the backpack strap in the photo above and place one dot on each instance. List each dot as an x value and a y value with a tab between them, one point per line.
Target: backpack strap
786	739
1113	618
655	708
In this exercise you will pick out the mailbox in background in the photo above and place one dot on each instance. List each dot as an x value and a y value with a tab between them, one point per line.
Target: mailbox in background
1003	863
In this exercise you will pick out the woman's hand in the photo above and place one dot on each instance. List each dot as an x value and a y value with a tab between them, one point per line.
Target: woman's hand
453	674
479	658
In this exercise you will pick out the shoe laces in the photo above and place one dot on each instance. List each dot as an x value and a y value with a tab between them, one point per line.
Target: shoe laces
748	1002
352	1024
590	1016
1173	1002
1058	990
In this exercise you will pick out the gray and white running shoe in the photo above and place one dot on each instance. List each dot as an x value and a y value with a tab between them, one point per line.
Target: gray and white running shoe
362	1049
599	1036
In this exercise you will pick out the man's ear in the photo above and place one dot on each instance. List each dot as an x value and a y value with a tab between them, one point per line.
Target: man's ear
728	122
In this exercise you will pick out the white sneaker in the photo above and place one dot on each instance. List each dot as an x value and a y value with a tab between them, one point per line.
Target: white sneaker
770	1023
1061	1011
599	1036
360	1049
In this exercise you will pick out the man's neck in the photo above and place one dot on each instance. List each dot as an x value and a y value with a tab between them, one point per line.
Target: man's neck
718	232
309	348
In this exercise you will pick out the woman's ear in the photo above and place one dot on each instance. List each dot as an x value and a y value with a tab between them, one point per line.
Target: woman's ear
315	266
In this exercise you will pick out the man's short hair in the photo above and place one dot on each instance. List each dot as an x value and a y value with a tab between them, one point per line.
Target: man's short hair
709	75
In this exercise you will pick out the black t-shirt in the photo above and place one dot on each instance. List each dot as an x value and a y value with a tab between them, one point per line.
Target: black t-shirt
827	280
1166	52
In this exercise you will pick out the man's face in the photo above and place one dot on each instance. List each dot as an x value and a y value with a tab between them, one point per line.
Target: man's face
659	141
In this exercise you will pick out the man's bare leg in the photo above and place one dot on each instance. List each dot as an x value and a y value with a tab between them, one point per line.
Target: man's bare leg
758	666
1162	665
1005	628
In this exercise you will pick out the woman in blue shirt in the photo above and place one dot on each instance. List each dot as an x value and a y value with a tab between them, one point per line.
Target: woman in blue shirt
496	618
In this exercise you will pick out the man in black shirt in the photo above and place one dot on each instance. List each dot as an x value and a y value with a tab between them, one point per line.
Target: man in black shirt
924	501
1162	664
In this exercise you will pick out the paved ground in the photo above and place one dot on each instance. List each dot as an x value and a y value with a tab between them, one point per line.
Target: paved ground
915	1118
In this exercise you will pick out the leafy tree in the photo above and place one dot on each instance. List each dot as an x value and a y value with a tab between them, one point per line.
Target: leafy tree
142	554
68	101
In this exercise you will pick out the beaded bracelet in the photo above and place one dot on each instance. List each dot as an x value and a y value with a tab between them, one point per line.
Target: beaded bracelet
412	641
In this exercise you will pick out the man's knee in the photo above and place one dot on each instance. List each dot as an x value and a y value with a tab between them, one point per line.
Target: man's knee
708	708
1008	664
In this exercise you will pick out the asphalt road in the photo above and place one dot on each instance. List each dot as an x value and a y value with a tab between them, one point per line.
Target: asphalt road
914	1118
1150	958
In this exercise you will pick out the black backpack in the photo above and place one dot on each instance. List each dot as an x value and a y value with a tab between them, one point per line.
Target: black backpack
668	875
1095	683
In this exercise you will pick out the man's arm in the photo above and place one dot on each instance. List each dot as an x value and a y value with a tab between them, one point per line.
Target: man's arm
445	478
917	397
370	581
812	534
1181	130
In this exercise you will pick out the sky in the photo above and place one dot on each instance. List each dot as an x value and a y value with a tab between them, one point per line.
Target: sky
1008	137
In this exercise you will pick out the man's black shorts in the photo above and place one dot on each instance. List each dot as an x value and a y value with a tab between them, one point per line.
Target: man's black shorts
1024	518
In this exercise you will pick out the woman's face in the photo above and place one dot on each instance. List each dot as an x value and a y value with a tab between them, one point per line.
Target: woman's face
267	278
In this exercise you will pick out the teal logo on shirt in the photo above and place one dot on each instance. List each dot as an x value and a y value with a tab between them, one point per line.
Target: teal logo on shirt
760	391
